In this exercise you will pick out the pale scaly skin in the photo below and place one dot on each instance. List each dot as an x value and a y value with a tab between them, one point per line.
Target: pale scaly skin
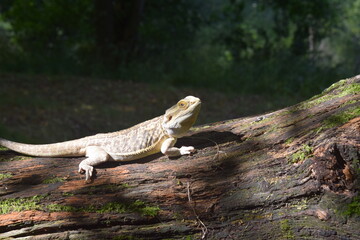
146	138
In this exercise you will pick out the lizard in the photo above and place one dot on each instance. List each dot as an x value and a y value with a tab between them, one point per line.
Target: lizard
152	136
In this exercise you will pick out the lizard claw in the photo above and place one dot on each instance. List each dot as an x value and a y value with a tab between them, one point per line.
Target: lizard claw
187	150
88	170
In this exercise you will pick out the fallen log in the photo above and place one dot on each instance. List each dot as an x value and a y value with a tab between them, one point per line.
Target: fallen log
289	174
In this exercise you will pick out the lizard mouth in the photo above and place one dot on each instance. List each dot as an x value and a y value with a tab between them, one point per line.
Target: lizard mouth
193	99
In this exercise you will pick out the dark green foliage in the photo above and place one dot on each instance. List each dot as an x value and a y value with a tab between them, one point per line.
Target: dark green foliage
50	25
271	47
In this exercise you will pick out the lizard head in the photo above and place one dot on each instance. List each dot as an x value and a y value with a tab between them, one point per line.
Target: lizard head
179	118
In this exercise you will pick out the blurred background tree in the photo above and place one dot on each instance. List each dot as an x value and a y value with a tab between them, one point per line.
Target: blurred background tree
285	47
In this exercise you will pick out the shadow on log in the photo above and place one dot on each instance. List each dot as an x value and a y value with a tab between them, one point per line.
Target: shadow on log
289	174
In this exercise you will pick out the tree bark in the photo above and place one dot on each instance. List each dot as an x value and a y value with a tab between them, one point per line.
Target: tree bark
288	174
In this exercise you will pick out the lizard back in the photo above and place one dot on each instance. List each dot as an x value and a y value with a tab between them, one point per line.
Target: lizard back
140	140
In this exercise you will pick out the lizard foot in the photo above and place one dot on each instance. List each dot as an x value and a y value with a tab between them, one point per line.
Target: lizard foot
88	170
187	150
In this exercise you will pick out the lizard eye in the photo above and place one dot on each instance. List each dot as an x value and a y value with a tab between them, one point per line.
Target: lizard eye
182	104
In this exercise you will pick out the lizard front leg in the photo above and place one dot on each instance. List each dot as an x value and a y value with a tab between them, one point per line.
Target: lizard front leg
168	148
95	155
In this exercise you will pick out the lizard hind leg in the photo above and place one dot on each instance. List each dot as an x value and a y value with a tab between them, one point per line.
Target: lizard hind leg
95	155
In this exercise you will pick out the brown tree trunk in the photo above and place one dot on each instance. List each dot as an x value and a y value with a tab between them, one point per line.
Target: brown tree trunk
116	24
289	174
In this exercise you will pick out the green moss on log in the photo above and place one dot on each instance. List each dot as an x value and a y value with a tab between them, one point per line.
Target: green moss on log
353	208
339	119
343	90
5	176
54	180
20	204
304	153
111	207
285	227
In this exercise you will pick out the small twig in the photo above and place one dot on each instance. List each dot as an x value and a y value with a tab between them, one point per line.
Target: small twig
188	191
204	229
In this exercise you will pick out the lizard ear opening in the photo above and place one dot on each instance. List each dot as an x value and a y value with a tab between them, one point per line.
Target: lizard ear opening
169	118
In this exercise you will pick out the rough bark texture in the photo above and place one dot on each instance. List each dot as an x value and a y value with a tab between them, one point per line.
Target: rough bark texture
289	174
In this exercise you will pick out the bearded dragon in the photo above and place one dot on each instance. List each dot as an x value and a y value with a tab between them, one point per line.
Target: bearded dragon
156	135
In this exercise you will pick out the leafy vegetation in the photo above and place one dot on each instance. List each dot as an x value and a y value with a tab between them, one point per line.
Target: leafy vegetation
302	154
247	46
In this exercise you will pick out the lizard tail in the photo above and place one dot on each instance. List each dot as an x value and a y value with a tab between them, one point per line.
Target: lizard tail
63	149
